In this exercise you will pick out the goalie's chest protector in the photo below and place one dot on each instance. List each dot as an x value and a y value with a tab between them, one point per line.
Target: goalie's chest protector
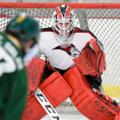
48	40
49	45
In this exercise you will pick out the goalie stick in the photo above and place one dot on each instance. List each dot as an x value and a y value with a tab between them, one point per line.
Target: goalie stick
46	105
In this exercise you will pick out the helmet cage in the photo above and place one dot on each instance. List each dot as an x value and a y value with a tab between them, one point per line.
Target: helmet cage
63	24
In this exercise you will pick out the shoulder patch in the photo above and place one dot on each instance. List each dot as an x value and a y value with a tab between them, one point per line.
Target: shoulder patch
78	30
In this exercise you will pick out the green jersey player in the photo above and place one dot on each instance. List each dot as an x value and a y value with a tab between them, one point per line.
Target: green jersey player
20	34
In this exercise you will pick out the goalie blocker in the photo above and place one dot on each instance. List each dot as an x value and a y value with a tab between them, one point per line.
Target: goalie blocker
89	103
54	87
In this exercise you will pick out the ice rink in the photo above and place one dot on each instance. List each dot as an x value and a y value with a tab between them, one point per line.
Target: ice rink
75	116
68	113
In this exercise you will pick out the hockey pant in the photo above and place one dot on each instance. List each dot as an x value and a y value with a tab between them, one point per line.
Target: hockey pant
55	89
91	104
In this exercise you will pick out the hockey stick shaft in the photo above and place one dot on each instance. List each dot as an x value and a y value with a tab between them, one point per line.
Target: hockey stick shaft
47	105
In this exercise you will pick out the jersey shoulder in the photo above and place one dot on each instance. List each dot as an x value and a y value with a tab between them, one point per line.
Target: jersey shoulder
10	56
85	32
45	32
82	37
47	40
86	36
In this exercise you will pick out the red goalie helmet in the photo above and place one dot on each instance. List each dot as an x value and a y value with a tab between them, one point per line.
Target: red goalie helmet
63	20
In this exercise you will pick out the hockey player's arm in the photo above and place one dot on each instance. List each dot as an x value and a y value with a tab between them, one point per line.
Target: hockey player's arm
59	59
7	66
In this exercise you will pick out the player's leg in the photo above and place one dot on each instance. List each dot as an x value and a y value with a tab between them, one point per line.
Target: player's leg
90	103
55	89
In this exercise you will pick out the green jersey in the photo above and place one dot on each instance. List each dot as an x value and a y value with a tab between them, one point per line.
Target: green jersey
13	82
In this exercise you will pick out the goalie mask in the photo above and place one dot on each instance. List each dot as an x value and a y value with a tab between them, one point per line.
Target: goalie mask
63	19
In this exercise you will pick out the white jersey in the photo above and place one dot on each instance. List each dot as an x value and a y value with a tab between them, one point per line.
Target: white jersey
53	47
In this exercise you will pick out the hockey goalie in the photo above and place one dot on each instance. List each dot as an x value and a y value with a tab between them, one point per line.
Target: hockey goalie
74	63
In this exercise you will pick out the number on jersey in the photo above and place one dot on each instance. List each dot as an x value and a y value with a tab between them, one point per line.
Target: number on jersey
7	65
